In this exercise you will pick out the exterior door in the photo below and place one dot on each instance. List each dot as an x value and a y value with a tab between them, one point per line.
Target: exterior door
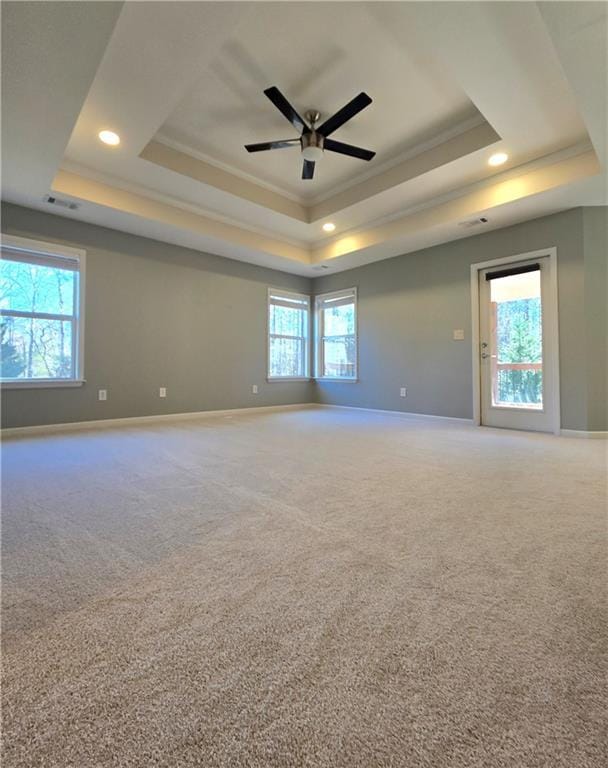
516	355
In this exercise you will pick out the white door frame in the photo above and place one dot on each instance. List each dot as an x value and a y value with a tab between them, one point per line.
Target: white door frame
552	328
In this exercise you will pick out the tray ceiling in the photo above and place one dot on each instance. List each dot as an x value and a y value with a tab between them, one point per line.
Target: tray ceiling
322	66
182	84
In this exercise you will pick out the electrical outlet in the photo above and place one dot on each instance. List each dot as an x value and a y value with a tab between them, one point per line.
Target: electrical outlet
458	334
103	394
254	389
403	392
162	392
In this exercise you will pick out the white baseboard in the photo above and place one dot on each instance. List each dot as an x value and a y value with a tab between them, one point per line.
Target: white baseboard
414	415
593	434
74	426
409	414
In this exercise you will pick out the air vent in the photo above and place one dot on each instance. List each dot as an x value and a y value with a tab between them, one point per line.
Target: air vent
60	203
473	222
320	267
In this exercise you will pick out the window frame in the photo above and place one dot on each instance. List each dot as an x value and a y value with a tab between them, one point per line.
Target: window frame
306	339
52	251
319	336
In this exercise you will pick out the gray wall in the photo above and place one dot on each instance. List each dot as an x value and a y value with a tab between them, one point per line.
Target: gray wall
595	239
157	315
409	306
161	315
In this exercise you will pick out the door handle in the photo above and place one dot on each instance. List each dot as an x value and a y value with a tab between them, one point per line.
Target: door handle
485	354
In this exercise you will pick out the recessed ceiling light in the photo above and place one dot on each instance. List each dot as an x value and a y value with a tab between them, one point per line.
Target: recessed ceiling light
109	137
329	226
498	159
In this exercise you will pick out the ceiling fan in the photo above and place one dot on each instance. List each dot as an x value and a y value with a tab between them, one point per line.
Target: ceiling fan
314	139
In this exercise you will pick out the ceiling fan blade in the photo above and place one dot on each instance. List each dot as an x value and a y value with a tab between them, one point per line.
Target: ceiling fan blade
348	149
308	169
282	144
350	110
286	109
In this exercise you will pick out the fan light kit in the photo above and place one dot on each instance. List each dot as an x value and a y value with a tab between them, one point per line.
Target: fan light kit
313	140
329	226
498	159
109	137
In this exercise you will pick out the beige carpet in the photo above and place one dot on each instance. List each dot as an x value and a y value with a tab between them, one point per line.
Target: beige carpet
304	588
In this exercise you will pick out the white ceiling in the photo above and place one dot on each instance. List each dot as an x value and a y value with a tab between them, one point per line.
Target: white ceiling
323	66
43	45
182	83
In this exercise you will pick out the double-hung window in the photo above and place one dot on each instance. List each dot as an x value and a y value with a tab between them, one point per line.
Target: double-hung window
41	311
336	335
288	335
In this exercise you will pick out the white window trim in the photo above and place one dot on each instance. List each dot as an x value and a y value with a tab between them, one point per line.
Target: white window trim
299	297
41	248
319	300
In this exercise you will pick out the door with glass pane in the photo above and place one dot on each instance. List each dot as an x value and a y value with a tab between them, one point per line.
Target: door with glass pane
515	349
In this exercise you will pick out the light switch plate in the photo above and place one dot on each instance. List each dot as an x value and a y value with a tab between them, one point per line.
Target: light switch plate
254	389
458	334
103	394
162	392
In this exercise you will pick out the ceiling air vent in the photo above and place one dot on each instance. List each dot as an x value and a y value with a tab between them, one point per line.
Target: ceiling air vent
473	222
60	203
319	267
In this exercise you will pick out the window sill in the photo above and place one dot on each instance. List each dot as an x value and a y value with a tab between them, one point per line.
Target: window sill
323	379
271	379
41	383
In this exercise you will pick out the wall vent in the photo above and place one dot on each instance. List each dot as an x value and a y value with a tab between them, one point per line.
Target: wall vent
473	222
52	200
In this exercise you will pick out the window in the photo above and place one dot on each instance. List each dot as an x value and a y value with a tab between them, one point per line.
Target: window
288	324
41	297
336	318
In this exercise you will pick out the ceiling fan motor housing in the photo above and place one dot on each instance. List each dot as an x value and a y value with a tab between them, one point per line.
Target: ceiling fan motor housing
312	146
